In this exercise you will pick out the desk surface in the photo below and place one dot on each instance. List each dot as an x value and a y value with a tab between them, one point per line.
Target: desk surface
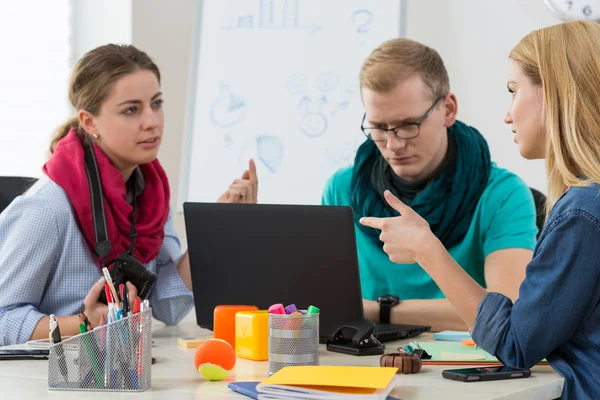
174	376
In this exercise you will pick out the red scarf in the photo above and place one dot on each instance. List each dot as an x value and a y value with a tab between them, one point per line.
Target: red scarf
66	167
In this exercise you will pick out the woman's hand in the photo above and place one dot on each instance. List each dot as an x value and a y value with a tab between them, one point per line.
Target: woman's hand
243	190
93	308
406	237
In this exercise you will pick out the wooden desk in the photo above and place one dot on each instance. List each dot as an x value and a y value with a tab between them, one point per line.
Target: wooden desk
174	376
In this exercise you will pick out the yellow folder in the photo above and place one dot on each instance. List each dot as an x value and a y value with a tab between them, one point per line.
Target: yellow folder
334	380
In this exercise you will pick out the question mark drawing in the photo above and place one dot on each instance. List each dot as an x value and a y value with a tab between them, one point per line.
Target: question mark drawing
363	18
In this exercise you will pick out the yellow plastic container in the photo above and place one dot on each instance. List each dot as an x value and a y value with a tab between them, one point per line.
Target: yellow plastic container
252	335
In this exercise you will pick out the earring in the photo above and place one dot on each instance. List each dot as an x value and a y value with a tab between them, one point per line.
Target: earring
95	135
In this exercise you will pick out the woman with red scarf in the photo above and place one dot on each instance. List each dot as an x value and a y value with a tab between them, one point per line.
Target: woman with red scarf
47	260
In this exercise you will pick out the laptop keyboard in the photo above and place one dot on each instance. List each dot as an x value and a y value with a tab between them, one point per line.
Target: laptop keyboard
389	332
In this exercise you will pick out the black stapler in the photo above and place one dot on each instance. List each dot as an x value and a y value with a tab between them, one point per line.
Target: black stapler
356	338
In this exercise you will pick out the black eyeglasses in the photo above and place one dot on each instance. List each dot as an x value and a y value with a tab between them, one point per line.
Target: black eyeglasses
409	130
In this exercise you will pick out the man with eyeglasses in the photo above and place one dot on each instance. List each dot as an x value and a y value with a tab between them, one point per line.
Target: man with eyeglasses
440	167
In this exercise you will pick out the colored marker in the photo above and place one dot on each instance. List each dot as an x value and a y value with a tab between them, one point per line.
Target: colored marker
277	309
312	310
91	355
291	309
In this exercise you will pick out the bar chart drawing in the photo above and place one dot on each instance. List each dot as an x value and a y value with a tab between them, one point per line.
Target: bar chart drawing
267	15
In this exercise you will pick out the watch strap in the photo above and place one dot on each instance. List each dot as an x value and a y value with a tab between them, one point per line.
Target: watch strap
384	313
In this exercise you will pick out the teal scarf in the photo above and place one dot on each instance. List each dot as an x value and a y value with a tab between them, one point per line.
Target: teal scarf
447	203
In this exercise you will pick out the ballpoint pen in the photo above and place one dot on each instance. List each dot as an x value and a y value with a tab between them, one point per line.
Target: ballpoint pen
110	284
139	332
111	305
60	352
125	302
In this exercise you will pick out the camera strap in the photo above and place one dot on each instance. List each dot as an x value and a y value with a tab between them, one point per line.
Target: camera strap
102	242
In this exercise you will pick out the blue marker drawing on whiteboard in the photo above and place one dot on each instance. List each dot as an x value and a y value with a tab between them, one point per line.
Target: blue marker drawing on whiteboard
228	140
228	109
327	81
269	151
314	123
269	15
341	106
296	83
343	156
362	19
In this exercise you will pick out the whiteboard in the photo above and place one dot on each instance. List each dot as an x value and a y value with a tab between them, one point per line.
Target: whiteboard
277	81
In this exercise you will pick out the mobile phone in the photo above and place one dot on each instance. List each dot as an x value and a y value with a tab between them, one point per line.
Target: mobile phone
24	354
485	373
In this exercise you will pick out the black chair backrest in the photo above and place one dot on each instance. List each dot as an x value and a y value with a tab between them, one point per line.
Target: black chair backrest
11	187
539	199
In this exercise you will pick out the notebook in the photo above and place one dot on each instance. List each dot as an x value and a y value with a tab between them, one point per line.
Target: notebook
452	353
329	383
452	336
249	389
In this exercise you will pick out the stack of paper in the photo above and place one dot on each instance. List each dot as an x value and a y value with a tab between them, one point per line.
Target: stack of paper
452	336
329	383
448	353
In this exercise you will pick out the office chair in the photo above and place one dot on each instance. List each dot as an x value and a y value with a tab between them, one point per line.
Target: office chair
539	199
11	187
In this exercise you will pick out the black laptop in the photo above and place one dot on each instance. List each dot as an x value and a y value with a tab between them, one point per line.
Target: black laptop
263	254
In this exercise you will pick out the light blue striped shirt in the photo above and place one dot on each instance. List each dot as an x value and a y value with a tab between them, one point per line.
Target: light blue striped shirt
47	267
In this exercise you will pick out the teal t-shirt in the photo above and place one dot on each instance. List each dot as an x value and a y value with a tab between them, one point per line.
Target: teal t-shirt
504	218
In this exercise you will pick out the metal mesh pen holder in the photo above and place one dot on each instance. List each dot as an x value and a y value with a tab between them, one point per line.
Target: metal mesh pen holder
293	340
113	357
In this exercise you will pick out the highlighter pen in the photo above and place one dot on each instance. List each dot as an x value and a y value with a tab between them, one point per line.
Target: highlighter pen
60	352
312	310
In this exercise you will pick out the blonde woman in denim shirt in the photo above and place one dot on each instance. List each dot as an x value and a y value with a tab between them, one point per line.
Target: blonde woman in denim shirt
554	81
47	259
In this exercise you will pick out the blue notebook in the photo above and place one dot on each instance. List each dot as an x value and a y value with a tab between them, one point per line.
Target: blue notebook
249	389
451	336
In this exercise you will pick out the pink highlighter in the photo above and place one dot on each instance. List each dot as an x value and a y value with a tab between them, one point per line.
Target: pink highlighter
277	309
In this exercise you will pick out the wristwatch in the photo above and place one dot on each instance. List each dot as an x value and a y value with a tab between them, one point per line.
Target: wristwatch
386	303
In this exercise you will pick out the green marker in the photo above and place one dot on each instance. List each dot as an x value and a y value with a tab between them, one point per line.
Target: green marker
92	356
312	310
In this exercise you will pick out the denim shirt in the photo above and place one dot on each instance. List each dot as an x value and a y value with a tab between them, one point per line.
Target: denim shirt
47	267
557	315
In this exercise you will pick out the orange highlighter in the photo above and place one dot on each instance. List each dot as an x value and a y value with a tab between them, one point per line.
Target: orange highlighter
468	342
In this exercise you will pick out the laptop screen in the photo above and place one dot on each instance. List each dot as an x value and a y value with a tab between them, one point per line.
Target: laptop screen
264	254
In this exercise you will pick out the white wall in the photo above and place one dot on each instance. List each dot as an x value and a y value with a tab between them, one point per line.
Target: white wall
474	38
164	30
99	22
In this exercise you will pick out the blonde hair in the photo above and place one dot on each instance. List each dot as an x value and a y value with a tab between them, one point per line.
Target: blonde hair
565	60
94	76
399	59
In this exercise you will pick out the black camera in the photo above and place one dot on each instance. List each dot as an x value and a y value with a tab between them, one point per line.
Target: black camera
127	269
